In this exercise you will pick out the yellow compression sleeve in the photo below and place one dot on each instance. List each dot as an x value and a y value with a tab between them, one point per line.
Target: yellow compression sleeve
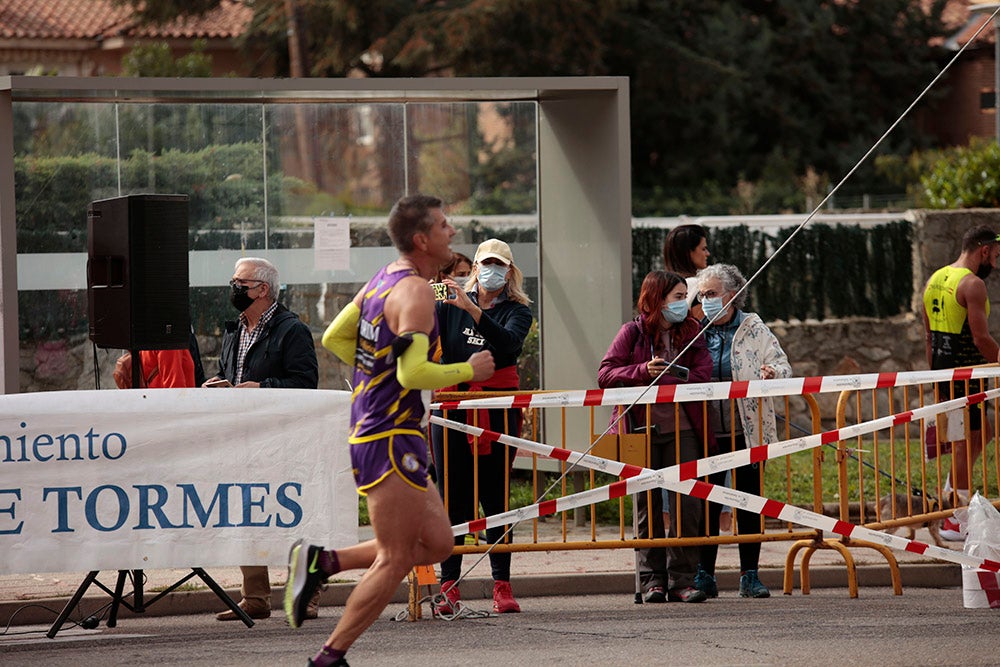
341	337
415	371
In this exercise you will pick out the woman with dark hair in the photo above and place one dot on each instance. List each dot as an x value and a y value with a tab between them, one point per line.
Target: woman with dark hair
637	356
458	269
685	252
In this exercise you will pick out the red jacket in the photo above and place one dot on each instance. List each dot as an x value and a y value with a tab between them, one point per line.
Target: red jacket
175	368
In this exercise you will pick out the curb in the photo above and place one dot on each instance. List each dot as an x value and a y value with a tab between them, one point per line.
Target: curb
915	575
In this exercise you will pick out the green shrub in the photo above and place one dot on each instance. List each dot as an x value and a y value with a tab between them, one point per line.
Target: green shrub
965	177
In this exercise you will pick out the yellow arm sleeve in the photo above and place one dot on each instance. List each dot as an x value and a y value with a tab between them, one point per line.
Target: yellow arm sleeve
341	337
415	371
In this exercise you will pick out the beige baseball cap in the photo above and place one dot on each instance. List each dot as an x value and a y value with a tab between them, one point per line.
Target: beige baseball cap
496	249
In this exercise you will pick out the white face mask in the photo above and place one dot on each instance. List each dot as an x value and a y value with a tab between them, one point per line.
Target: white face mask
492	277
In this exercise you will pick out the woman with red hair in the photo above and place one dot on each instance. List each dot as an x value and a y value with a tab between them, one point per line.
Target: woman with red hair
638	356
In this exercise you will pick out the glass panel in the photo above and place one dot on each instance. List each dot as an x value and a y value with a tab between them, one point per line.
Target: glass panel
211	152
256	175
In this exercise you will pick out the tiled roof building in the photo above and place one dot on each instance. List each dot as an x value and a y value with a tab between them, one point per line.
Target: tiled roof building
89	37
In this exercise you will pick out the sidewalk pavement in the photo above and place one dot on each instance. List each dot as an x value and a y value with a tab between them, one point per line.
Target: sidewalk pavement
37	598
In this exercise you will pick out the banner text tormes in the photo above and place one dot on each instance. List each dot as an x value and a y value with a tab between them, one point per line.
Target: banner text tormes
171	478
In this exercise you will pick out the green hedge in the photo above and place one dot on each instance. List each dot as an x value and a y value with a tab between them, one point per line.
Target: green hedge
224	184
827	271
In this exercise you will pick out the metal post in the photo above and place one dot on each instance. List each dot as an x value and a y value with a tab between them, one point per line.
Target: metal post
9	340
996	77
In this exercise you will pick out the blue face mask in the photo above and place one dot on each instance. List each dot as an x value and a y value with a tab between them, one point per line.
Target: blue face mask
492	277
711	306
675	311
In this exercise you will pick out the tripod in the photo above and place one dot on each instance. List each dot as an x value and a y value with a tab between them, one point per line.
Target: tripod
139	604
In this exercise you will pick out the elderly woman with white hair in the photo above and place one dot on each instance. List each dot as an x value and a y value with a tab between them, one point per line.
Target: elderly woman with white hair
742	348
490	312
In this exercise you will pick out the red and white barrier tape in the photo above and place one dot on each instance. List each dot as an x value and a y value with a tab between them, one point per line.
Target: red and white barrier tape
709	391
683	479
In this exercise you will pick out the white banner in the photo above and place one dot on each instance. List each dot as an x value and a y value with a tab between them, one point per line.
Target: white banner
172	478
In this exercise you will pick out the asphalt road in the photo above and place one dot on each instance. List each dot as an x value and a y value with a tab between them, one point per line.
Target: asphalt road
924	626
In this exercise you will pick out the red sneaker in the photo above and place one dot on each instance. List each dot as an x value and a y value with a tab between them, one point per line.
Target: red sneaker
951	530
451	597
503	598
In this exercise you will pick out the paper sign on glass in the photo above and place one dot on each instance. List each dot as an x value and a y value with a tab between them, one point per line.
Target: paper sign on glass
331	244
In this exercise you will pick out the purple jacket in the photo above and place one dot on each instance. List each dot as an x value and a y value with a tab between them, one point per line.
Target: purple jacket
624	365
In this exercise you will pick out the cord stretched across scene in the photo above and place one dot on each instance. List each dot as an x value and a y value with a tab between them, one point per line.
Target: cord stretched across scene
672	364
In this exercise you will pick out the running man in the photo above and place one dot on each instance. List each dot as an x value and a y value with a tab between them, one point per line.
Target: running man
389	334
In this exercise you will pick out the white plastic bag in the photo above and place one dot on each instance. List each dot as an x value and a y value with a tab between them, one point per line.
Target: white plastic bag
981	588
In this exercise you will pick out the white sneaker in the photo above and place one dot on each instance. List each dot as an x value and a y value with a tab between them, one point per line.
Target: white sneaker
952	531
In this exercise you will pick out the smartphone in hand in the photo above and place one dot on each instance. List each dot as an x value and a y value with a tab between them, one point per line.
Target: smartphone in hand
441	292
218	382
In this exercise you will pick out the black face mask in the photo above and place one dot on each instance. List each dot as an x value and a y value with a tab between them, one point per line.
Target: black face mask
984	270
239	297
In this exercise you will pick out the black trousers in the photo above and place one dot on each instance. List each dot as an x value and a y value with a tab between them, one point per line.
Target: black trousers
747	479
494	469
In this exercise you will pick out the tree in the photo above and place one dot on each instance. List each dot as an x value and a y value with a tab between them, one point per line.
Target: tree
158	60
722	91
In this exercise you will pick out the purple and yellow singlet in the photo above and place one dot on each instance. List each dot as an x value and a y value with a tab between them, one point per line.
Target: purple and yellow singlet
388	421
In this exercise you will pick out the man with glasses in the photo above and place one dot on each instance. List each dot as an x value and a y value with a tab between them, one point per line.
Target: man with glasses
267	347
956	319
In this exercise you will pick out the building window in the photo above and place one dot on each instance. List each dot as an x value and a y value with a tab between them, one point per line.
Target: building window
987	100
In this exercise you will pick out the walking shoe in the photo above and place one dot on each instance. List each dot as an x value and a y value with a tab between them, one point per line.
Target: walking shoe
450	598
654	595
340	663
951	530
750	586
255	609
706	583
686	594
304	580
312	609
503	598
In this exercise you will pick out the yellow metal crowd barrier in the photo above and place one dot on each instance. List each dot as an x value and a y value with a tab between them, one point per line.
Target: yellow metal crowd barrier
901	477
884	480
793	479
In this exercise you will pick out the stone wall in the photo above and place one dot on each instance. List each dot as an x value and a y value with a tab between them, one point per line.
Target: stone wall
868	345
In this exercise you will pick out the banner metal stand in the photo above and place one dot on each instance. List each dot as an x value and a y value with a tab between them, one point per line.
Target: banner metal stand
139	604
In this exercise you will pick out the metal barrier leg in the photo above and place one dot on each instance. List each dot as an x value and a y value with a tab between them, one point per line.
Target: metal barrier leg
413	608
897	582
789	583
810	547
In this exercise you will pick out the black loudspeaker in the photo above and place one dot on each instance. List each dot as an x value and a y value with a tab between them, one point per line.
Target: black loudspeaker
137	272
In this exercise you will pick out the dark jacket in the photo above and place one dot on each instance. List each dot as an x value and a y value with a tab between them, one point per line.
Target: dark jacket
501	330
283	357
624	365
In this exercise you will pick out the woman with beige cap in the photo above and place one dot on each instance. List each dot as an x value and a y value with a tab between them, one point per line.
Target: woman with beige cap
490	312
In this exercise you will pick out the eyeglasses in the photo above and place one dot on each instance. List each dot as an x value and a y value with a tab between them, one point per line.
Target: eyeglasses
240	282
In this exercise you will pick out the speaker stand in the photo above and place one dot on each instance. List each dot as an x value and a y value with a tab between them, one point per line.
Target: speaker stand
139	604
137	373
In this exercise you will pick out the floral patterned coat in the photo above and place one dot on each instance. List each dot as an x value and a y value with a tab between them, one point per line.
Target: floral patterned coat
754	345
